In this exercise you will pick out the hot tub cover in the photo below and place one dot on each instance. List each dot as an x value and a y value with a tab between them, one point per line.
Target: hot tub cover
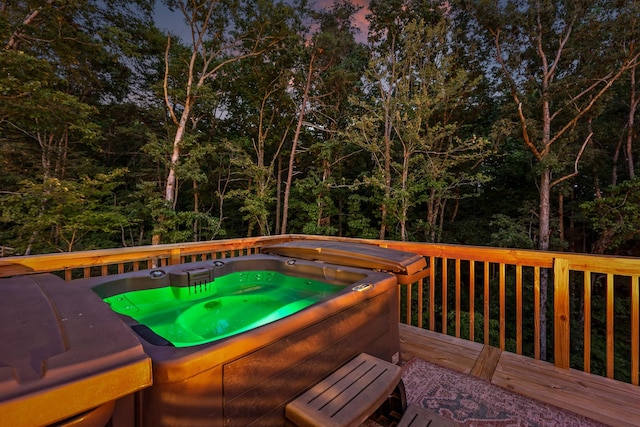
63	351
351	254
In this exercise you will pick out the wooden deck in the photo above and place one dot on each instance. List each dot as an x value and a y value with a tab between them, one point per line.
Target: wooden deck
602	399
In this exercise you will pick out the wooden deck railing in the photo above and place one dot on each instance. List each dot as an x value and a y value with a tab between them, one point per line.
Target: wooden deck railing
593	306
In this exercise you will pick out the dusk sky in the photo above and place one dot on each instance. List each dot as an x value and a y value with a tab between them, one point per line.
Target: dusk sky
172	21
361	20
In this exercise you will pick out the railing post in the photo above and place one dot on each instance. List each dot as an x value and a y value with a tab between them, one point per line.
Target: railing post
175	256
561	327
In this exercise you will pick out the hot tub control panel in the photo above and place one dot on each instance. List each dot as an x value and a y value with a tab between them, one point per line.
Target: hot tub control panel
362	287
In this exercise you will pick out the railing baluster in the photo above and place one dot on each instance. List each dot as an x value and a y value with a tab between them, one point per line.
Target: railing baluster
587	321
635	329
610	333
536	313
400	302
420	296
519	309
503	317
432	294
457	284
408	304
486	303
445	309
472	291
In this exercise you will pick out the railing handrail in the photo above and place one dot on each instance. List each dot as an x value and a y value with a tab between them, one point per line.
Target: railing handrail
45	263
19	265
560	264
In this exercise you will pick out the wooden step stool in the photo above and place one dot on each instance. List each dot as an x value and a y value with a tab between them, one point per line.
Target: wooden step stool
348	396
416	416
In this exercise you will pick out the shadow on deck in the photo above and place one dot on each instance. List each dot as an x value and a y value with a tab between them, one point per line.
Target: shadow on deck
602	399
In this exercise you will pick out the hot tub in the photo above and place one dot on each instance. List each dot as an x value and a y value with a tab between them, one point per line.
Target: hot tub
210	368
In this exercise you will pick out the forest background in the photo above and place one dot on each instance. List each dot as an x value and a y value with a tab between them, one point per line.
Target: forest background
496	123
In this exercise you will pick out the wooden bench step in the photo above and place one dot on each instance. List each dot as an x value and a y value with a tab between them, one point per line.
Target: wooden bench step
416	416
348	396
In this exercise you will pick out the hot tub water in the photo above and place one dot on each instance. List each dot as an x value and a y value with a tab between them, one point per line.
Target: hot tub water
229	305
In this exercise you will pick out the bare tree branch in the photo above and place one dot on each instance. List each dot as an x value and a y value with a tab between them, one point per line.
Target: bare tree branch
165	83
624	68
575	164
16	37
514	94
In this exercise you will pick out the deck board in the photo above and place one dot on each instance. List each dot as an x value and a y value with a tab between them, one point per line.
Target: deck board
602	399
443	350
609	401
487	362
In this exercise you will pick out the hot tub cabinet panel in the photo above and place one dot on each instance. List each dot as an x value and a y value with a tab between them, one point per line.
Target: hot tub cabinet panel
284	369
248	379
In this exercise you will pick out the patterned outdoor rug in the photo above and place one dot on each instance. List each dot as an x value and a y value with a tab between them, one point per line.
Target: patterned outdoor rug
471	401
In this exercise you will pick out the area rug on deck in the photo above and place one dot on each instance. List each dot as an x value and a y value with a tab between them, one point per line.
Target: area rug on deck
471	401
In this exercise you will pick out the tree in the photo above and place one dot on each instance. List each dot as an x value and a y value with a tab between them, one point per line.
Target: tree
78	214
386	21
555	80
410	125
327	160
222	33
62	62
629	16
259	115
329	61
437	157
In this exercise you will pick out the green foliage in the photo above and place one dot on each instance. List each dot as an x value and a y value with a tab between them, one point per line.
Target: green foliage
148	207
360	218
616	216
82	97
478	328
64	215
423	157
509	233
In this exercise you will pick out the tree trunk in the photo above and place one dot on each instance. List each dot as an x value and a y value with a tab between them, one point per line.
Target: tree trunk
171	189
326	174
387	171
279	196
561	217
388	127
294	146
543	245
196	209
614	162
633	106
432	215
404	208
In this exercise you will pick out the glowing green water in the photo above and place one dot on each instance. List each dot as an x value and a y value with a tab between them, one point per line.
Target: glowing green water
227	306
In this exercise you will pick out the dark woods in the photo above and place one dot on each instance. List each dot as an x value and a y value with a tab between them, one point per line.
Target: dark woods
509	124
